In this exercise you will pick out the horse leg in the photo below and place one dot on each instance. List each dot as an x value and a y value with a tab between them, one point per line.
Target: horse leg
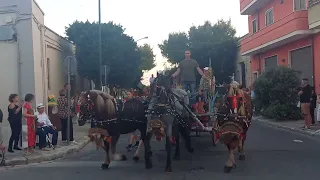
230	162
168	150
147	150
187	138
136	154
242	155
143	136
106	162
177	138
116	156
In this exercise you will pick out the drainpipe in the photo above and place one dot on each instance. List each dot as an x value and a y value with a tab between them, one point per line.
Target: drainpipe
44	68
313	60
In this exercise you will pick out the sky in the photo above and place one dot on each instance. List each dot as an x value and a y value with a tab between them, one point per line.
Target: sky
141	18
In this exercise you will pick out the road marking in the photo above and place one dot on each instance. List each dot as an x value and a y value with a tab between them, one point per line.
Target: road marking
298	141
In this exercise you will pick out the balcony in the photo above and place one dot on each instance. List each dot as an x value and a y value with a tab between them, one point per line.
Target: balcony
248	7
314	14
286	30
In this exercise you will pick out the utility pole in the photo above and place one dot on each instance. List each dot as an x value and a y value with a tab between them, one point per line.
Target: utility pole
100	48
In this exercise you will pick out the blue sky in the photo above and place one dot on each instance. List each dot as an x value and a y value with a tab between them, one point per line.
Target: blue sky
155	19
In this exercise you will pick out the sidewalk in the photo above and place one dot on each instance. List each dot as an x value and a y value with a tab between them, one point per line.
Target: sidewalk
81	139
294	125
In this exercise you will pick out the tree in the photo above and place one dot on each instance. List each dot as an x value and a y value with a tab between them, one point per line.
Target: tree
275	93
119	52
147	57
216	41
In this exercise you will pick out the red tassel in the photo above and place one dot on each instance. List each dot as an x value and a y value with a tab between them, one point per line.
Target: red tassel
234	102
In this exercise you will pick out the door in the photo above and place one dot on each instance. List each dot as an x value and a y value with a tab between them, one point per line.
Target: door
270	63
243	74
301	60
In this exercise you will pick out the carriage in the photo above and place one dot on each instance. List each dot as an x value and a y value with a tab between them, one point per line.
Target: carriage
229	127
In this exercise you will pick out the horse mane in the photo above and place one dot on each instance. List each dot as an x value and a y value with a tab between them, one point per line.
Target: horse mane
104	99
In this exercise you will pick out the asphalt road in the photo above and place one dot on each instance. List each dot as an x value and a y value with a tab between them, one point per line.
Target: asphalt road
271	154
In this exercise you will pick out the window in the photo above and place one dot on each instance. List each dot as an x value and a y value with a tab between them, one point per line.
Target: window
269	17
255	75
300	5
254	26
48	72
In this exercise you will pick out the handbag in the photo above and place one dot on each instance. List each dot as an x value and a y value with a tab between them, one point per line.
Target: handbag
299	104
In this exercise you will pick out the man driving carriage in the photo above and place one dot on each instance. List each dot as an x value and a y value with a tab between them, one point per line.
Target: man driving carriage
187	70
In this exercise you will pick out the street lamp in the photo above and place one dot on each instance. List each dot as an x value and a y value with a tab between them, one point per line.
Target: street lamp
100	48
142	38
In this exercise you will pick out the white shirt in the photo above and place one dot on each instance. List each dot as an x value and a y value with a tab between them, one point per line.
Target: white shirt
43	118
151	79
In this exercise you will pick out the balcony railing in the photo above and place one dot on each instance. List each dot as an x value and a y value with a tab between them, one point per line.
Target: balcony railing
313	3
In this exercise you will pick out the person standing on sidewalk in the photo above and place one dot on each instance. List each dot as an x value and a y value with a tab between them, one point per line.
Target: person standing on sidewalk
14	118
187	68
318	108
29	116
313	105
305	94
64	112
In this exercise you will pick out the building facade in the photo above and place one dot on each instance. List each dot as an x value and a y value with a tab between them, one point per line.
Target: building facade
283	33
242	67
31	55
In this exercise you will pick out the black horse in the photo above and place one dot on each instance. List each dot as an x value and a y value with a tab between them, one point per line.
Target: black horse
167	117
111	121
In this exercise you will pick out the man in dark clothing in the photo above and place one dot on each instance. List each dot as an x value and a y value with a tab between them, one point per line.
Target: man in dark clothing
313	105
305	98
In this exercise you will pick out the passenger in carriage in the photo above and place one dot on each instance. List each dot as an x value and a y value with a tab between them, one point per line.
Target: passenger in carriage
205	83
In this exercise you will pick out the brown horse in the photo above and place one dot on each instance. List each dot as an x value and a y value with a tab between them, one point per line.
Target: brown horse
110	123
233	120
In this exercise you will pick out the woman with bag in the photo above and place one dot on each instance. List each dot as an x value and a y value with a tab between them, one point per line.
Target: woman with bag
14	118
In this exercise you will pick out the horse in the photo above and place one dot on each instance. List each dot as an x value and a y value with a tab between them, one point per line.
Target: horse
233	120
167	117
110	121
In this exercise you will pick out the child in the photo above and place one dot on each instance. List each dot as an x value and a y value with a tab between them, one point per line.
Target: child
318	108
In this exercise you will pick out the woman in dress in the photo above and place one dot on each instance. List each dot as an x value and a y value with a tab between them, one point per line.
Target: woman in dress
29	116
14	118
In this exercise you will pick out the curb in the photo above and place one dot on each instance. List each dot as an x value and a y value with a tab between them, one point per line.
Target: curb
305	132
48	157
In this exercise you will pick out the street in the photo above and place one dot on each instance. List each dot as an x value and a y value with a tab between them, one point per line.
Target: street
271	154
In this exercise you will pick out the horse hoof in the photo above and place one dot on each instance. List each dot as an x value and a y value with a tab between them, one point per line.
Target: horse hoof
135	158
104	166
227	169
176	157
149	165
242	157
168	170
124	157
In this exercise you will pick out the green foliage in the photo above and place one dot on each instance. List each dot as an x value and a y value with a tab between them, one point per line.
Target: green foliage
119	52
147	57
217	41
275	93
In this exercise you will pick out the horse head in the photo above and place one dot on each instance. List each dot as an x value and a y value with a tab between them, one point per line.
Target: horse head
160	88
86	105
